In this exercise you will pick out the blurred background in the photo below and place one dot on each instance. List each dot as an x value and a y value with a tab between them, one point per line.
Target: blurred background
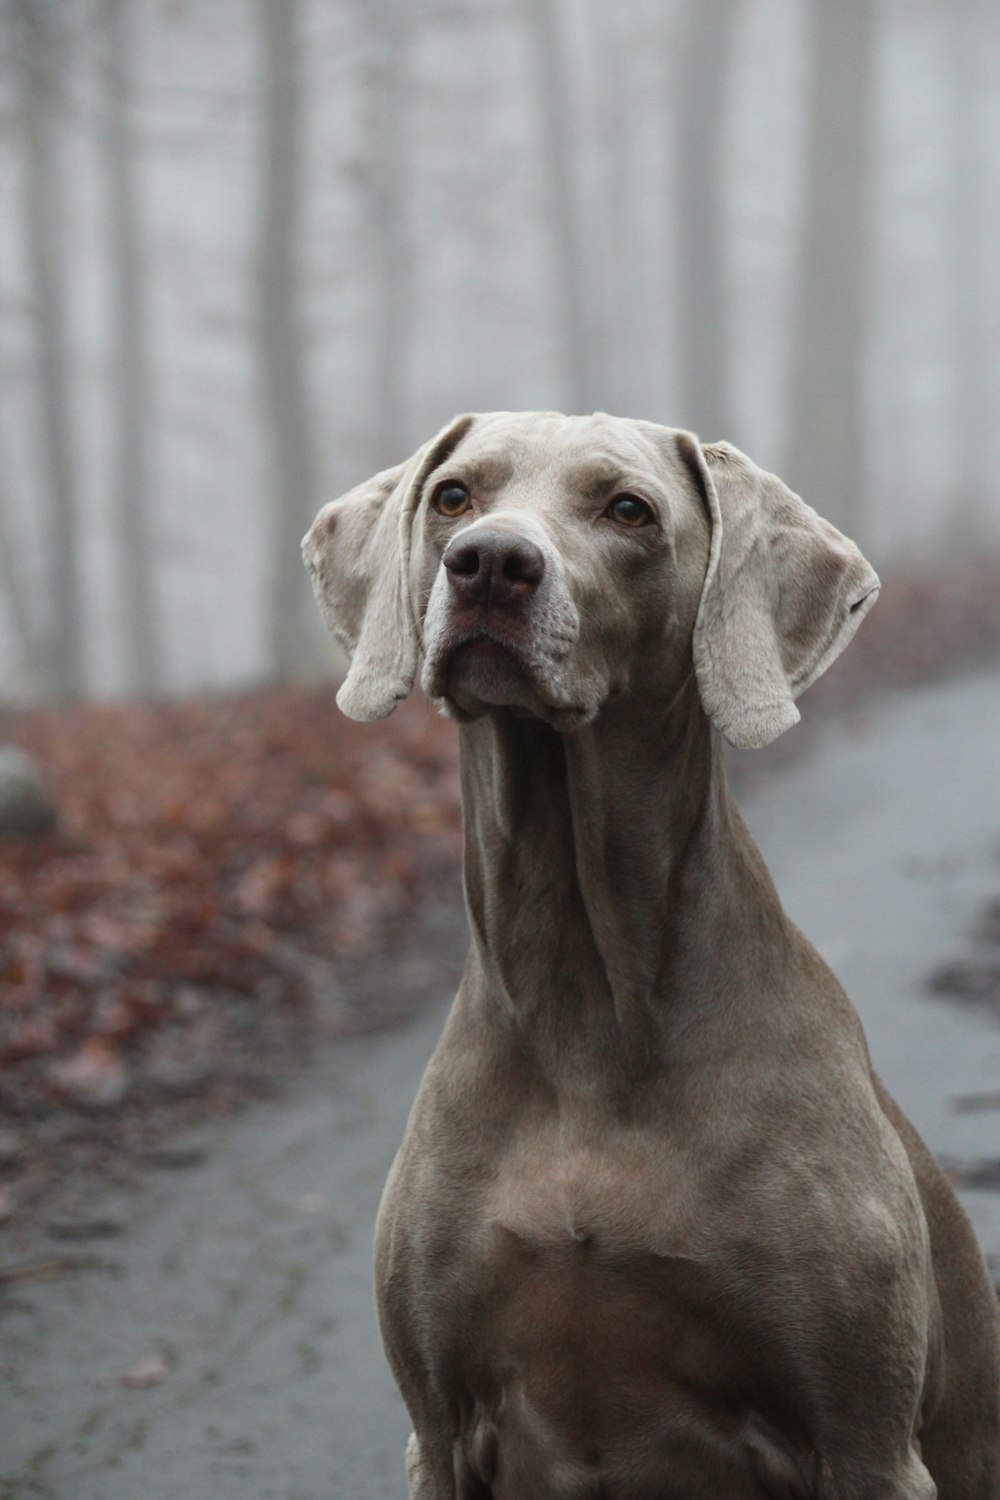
250	252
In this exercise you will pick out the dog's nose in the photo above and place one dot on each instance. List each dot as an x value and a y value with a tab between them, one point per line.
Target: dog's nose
495	565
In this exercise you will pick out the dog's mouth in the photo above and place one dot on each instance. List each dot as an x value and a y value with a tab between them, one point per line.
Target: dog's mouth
480	671
483	672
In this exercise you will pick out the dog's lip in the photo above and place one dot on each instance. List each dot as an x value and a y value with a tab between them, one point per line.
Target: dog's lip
480	641
485	645
483	641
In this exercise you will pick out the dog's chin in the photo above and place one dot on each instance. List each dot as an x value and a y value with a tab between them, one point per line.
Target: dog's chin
481	676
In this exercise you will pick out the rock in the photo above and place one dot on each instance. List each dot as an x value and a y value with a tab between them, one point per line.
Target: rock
94	1077
967	978
181	1061
174	1157
26	805
149	1370
967	1104
988	927
11	1148
84	1229
978	1174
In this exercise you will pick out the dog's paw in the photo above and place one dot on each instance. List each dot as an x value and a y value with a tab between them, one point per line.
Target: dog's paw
414	1470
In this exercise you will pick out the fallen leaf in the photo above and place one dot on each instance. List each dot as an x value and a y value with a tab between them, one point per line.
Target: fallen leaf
147	1371
93	1076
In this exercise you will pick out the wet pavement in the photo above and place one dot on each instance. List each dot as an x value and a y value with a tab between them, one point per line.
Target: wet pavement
230	1285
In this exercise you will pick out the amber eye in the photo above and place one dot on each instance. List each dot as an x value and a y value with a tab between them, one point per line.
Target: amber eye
451	499
629	510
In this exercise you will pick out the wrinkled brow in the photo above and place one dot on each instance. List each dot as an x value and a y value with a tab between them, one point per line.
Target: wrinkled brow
484	474
598	475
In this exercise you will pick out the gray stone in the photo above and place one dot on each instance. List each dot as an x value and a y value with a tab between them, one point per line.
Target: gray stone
26	805
11	1148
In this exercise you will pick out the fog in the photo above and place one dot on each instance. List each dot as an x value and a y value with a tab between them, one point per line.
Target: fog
251	251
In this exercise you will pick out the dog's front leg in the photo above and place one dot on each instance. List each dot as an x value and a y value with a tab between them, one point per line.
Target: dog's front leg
423	1483
906	1480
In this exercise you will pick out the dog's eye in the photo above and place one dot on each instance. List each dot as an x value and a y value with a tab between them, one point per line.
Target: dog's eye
451	499
629	510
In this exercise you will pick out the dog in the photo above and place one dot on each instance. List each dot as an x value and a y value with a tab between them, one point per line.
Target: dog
656	1231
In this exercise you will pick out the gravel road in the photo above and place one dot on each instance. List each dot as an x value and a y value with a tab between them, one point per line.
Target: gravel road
230	1286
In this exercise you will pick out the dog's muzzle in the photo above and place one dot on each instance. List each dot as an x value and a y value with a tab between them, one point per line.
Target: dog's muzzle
493	569
500	627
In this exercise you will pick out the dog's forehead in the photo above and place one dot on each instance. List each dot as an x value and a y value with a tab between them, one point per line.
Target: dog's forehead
573	451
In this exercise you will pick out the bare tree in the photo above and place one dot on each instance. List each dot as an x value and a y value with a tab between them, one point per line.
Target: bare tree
133	528
22	619
618	331
279	337
34	34
824	460
703	58
971	79
391	262
14	595
559	178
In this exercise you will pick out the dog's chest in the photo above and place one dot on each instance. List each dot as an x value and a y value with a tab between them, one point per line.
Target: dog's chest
594	1252
593	1315
622	1190
576	1280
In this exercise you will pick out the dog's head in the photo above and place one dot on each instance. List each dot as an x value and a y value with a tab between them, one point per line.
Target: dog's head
543	564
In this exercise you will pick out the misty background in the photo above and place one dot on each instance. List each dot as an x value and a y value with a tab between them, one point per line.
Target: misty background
253	250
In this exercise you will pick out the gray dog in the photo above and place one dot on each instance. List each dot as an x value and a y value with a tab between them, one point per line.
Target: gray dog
656	1231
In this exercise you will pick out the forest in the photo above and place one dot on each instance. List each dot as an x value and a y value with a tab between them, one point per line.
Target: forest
252	251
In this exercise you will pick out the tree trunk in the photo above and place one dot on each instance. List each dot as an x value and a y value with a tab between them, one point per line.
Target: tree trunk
45	223
133	524
558	169
280	343
824	461
703	61
15	600
975	391
392	266
619	333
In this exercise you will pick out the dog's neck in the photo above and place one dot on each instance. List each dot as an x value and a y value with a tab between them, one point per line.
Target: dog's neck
606	873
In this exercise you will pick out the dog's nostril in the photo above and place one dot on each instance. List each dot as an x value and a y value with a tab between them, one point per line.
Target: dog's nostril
494	565
524	564
462	560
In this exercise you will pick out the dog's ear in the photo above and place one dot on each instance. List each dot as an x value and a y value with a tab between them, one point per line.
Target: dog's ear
783	595
357	553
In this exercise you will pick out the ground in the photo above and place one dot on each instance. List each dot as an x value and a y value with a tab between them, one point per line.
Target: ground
203	1323
221	874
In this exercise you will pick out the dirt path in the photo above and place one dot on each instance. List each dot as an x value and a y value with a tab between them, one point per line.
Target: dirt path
249	1273
240	1265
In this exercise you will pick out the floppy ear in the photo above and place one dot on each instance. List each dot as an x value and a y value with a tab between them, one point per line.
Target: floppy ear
357	553
783	595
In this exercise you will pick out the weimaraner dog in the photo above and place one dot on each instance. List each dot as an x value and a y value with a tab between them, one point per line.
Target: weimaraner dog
656	1231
